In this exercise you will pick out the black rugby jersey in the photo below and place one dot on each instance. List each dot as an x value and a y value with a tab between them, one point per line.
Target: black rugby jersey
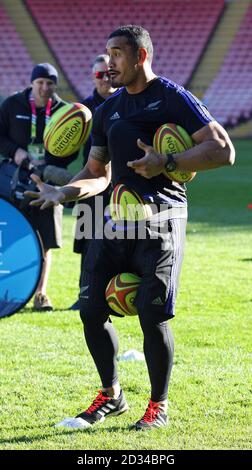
124	117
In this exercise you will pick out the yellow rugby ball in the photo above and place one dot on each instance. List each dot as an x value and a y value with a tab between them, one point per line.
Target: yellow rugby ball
121	292
171	138
126	204
68	129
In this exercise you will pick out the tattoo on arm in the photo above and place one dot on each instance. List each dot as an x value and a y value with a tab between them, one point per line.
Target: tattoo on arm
100	154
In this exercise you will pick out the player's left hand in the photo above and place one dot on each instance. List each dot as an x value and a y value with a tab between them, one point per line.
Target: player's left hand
47	195
152	164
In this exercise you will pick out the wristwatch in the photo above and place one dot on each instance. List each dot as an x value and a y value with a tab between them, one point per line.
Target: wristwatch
171	164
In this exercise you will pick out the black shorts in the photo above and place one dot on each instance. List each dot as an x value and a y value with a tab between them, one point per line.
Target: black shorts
48	223
156	260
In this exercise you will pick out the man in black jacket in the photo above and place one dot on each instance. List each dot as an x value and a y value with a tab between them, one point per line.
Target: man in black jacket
23	117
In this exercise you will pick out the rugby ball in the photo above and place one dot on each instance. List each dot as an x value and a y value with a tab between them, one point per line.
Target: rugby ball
121	292
171	138
68	129
126	204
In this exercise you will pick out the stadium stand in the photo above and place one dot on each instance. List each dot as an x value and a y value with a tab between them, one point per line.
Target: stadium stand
38	49
230	94
180	29
218	46
80	32
15	61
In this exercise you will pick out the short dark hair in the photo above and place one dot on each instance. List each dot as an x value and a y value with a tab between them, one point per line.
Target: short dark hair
137	37
101	58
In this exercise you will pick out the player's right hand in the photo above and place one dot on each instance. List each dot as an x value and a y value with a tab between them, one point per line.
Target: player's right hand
47	196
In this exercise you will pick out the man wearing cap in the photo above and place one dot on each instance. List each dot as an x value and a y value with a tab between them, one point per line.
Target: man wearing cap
23	117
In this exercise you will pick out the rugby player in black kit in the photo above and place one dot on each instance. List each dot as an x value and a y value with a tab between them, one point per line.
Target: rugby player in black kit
123	131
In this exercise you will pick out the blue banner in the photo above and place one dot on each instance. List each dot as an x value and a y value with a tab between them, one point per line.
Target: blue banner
20	259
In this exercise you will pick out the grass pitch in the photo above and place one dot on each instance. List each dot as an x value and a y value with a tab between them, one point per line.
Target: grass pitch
46	372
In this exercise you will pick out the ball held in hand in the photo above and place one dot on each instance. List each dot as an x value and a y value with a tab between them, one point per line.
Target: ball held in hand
171	138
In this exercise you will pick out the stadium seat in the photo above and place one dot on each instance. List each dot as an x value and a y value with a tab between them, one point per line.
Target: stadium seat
232	86
80	33
16	63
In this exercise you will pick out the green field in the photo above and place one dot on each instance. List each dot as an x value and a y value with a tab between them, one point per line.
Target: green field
46	373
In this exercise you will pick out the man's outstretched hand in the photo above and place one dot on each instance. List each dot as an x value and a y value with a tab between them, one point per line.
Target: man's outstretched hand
47	196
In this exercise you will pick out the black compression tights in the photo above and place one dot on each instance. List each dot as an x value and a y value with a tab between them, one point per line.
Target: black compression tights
158	349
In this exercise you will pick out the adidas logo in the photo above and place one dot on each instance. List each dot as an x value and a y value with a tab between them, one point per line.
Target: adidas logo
107	408
157	301
115	116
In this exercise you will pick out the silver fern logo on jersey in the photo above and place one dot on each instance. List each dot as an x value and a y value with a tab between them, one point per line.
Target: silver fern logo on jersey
153	106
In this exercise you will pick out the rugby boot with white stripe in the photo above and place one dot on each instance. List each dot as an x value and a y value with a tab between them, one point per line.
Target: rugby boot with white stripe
154	417
102	407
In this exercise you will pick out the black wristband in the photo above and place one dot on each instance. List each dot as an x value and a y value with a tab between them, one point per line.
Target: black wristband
171	163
